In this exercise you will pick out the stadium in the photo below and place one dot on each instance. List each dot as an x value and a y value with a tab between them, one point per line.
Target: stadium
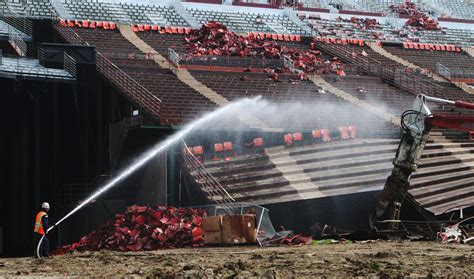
298	109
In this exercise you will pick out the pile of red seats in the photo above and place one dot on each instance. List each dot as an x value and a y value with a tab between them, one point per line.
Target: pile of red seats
214	39
418	18
142	228
362	23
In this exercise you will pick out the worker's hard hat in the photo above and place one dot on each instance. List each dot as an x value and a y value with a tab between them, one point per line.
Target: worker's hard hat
45	205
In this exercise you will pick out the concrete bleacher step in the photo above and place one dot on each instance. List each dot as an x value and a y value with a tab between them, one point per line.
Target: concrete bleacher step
316	171
447	196
420	193
332	184
425	172
446	152
441	161
319	81
380	50
441	178
456	203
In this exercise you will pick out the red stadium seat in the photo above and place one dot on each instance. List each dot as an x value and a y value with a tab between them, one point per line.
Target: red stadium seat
298	136
92	25
458	49
286	38
344	41
438	47
154	28
99	24
147	27
405	45
77	23
427	46
257	142
261	35
422	46
344	133
198	150
298	38
174	30
333	40
292	38
312	45
353	131
415	45
187	30
168	30
268	36
316	134
228	146
62	22
140	27
134	28
288	139
443	47
274	37
70	23
106	25
113	26
180	30
361	43
326	135
339	41
218	147
448	48
85	23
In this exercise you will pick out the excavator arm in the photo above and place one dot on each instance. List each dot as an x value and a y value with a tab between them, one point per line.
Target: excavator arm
416	124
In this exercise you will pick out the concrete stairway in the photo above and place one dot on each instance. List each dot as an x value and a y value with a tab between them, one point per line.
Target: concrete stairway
319	81
469	50
399	60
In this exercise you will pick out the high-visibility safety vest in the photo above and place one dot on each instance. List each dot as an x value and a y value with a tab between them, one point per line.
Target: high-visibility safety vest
39	222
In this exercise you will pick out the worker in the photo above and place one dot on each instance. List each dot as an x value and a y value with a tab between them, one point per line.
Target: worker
41	229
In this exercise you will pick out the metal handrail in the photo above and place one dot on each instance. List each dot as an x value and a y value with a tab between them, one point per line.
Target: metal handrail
70	65
205	179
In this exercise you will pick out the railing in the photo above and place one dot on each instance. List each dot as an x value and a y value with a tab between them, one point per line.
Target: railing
20	23
17	43
456	74
209	184
70	65
174	57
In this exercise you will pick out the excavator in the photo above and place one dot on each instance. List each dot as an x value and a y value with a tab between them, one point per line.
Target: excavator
416	124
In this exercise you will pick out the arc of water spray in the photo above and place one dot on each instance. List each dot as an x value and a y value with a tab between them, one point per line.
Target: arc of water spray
147	156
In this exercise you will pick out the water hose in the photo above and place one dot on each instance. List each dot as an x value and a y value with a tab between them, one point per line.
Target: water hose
38	255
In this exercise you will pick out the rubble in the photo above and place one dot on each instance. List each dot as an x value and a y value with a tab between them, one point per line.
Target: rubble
142	228
418	18
215	40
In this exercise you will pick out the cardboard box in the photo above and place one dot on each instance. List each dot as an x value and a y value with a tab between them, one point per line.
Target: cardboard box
212	230
230	229
239	229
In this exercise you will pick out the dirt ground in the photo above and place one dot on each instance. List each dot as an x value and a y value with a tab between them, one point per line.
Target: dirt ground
382	258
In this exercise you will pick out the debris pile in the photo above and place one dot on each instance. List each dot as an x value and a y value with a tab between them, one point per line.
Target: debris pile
418	18
142	228
215	40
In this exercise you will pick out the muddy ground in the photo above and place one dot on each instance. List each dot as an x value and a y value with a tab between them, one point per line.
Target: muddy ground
381	258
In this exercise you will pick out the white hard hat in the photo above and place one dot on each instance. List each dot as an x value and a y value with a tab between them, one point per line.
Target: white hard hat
45	205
